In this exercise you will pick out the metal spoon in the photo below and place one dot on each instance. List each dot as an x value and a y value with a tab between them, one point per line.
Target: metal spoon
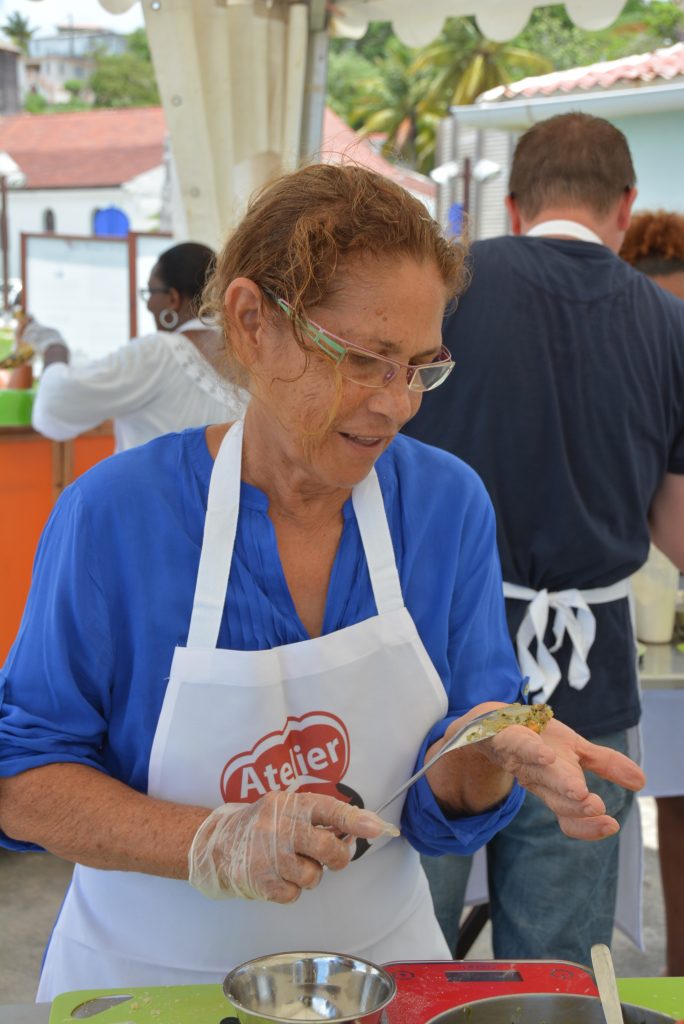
604	973
482	727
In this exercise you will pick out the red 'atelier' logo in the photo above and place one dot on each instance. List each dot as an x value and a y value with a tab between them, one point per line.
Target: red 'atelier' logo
309	753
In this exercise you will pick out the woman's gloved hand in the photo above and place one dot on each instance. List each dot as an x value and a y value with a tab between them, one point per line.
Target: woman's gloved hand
274	848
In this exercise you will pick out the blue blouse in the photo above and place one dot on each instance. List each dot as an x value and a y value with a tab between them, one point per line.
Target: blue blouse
112	594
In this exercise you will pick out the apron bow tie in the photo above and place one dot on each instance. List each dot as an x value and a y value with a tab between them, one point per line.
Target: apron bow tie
572	617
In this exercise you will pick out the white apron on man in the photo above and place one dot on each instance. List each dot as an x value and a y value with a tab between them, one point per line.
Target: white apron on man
572	615
350	708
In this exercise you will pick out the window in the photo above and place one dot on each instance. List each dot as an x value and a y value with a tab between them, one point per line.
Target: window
49	220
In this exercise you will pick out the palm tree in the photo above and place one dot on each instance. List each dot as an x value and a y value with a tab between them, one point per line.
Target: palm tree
411	90
463	64
388	102
18	29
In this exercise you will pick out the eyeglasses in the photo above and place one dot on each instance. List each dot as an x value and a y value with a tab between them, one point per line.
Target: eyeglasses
145	293
365	367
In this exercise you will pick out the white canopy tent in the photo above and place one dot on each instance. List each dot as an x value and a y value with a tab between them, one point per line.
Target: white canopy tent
243	81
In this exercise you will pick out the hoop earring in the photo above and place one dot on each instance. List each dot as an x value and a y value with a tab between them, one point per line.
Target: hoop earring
169	318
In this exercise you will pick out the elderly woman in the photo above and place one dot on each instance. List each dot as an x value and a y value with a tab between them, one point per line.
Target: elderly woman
238	638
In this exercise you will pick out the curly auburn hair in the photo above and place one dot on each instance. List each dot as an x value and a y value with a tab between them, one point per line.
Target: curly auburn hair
654	242
302	229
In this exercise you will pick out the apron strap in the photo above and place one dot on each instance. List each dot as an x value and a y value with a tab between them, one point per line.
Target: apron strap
572	615
220	527
377	544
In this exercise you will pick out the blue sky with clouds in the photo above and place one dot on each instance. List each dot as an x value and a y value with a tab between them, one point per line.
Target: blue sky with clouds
45	14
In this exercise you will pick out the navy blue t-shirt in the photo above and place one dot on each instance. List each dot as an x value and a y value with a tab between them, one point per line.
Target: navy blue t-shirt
568	399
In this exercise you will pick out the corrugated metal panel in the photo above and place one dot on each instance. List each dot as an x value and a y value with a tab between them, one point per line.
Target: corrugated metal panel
492	217
485	199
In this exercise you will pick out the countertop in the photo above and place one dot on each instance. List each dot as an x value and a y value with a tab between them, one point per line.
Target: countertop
662	668
663	994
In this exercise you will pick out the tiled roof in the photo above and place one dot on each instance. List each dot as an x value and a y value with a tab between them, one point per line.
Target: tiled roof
663	64
97	148
341	142
84	149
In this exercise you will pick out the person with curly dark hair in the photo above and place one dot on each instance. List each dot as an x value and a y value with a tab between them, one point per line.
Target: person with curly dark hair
654	244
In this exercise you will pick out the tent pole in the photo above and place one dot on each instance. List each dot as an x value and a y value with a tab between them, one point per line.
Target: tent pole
315	83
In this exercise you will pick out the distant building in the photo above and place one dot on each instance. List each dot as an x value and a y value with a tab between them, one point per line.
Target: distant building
9	76
52	61
642	95
81	163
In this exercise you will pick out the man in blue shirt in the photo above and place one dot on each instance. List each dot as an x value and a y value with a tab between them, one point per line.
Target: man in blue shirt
568	400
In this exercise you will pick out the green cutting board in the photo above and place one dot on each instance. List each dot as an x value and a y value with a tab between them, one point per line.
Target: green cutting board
206	1004
15	406
663	994
168	1004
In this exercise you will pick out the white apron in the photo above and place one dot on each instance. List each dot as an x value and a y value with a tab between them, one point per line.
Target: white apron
352	708
573	616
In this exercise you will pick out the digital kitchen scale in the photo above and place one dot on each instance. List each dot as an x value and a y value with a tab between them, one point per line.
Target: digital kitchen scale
426	989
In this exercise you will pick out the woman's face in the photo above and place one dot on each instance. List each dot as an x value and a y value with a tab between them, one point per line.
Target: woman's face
332	428
159	295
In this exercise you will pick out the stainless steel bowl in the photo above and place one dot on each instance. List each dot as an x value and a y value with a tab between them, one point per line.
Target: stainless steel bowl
543	1008
288	987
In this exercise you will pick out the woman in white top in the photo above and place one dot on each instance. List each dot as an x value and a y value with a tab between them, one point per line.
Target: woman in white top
158	384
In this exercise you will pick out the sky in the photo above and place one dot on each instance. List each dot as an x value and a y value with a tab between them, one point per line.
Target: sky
45	14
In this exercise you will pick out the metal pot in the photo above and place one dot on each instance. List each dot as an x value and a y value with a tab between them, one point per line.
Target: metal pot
543	1008
287	987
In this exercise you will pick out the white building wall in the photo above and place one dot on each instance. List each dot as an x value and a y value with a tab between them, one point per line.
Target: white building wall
657	145
73	211
47	76
490	210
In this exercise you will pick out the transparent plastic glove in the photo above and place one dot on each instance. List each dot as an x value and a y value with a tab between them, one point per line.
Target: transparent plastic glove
274	848
40	338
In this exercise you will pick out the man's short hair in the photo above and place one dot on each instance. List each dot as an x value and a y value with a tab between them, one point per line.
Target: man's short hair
570	160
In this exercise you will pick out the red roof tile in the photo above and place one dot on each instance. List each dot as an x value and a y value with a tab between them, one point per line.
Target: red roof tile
98	148
340	142
84	149
642	67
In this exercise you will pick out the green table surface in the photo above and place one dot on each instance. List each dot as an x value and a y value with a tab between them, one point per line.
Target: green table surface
16	405
663	994
183	1004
